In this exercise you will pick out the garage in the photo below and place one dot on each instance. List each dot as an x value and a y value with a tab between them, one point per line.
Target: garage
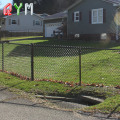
50	27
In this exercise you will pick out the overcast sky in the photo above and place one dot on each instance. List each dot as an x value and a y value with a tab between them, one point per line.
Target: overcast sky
4	2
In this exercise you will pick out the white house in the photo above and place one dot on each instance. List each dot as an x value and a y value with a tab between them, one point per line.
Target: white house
22	23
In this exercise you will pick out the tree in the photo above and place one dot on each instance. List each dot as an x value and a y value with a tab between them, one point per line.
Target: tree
46	6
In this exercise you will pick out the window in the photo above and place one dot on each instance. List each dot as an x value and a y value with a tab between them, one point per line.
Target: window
3	22
97	16
76	16
37	22
14	22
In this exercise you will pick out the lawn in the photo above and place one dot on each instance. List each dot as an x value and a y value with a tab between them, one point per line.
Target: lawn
17	38
98	66
101	44
108	105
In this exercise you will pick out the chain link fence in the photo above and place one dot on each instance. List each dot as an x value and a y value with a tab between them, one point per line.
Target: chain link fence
16	59
1	56
101	66
56	63
78	65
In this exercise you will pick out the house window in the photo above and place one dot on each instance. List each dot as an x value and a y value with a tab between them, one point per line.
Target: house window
14	22
76	16
97	16
37	22
3	22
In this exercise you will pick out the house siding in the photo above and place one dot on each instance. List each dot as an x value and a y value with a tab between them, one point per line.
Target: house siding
24	23
83	26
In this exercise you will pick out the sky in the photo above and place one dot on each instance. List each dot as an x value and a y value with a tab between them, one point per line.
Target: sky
4	2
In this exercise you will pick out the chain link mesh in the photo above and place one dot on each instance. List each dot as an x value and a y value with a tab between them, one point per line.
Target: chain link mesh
17	59
56	63
101	66
0	57
62	63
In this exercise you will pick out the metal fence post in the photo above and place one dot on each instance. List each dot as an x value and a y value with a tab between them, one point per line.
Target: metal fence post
2	57
80	52
32	62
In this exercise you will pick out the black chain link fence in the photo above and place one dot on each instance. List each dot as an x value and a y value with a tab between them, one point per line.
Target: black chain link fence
78	65
1	56
16	59
56	63
101	66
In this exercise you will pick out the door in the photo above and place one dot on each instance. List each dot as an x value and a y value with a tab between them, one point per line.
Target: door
50	27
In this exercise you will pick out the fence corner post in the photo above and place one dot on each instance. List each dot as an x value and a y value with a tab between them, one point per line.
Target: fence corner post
80	52
2	56
32	61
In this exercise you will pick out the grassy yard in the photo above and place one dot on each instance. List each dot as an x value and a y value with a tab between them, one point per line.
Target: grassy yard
98	66
101	44
17	38
107	106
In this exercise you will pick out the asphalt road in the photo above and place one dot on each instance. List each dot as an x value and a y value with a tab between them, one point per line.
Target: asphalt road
14	107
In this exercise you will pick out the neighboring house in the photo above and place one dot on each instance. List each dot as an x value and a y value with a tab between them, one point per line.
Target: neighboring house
52	23
22	23
89	19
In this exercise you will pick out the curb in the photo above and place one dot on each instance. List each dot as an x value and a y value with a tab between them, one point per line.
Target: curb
90	99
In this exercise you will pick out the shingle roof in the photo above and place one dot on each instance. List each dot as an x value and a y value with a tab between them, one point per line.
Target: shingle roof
113	1
43	15
21	13
109	1
57	15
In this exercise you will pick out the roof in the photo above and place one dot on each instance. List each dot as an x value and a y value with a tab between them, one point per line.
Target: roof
43	15
21	13
57	16
113	1
109	1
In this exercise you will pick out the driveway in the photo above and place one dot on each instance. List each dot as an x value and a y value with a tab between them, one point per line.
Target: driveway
16	107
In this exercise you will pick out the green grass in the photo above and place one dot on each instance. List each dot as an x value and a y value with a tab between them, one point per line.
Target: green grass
100	44
108	105
29	41
48	88
32	86
17	38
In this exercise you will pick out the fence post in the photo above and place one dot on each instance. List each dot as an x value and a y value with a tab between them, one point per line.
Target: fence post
32	62
80	51
2	57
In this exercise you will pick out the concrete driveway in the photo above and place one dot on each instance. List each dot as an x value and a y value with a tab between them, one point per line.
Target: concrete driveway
16	107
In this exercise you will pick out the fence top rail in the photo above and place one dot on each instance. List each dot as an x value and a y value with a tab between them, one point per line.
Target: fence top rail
77	47
60	46
57	46
98	48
